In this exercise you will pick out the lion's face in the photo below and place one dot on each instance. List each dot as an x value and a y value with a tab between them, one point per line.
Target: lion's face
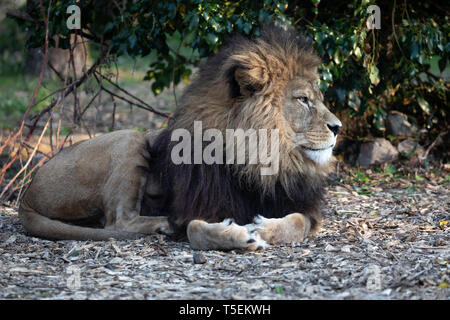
315	127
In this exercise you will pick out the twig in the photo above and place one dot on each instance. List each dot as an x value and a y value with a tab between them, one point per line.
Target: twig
166	120
69	89
113	115
90	102
163	114
147	106
76	118
393	29
45	157
29	160
58	74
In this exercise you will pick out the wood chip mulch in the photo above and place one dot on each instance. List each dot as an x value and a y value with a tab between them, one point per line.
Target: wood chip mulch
386	241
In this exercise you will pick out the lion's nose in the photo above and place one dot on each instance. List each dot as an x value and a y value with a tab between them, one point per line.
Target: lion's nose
335	128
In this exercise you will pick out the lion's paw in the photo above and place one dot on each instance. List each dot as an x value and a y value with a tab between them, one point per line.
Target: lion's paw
255	242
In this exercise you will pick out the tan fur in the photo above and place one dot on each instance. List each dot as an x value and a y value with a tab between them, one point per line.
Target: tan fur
292	228
223	236
227	235
91	178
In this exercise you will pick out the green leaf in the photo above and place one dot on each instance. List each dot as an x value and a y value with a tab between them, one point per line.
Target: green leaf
414	50
390	170
354	101
212	39
358	53
327	76
173	41
374	75
194	22
419	178
190	37
132	40
108	27
424	105
336	57
247	27
186	52
279	289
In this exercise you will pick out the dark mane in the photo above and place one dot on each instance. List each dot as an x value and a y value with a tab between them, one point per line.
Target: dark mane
212	193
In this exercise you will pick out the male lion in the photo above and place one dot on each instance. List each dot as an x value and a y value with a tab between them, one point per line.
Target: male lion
126	182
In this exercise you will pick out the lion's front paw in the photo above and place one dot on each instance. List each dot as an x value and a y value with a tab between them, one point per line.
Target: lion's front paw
255	242
225	235
256	225
241	237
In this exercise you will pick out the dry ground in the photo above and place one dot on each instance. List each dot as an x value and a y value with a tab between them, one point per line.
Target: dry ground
391	244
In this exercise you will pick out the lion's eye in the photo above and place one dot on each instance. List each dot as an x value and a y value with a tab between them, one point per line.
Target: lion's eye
304	101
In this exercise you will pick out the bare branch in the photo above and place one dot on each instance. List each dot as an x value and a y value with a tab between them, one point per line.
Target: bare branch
142	104
162	114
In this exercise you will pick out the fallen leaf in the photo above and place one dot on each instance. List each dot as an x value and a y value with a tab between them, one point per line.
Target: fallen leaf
444	262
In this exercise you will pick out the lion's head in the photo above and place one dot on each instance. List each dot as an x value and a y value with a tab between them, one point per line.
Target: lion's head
269	82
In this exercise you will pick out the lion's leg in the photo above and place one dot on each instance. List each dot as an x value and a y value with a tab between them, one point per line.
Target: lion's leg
225	235
124	193
125	217
292	228
142	224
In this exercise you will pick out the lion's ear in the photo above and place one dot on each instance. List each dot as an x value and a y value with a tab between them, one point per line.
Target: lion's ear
248	75
250	80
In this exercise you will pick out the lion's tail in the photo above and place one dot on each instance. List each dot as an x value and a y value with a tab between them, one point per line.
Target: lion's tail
40	226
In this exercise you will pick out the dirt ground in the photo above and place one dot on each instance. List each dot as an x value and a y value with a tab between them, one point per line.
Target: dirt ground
392	243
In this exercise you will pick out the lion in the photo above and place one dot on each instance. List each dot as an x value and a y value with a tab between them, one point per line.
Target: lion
125	184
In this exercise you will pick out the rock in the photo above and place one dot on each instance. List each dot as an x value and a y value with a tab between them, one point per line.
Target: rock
376	152
397	124
199	258
409	148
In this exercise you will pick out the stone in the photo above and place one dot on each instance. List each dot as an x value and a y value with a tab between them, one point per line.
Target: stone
199	258
378	151
397	124
409	148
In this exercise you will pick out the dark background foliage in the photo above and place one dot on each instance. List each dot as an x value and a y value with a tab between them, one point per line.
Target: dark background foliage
366	73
